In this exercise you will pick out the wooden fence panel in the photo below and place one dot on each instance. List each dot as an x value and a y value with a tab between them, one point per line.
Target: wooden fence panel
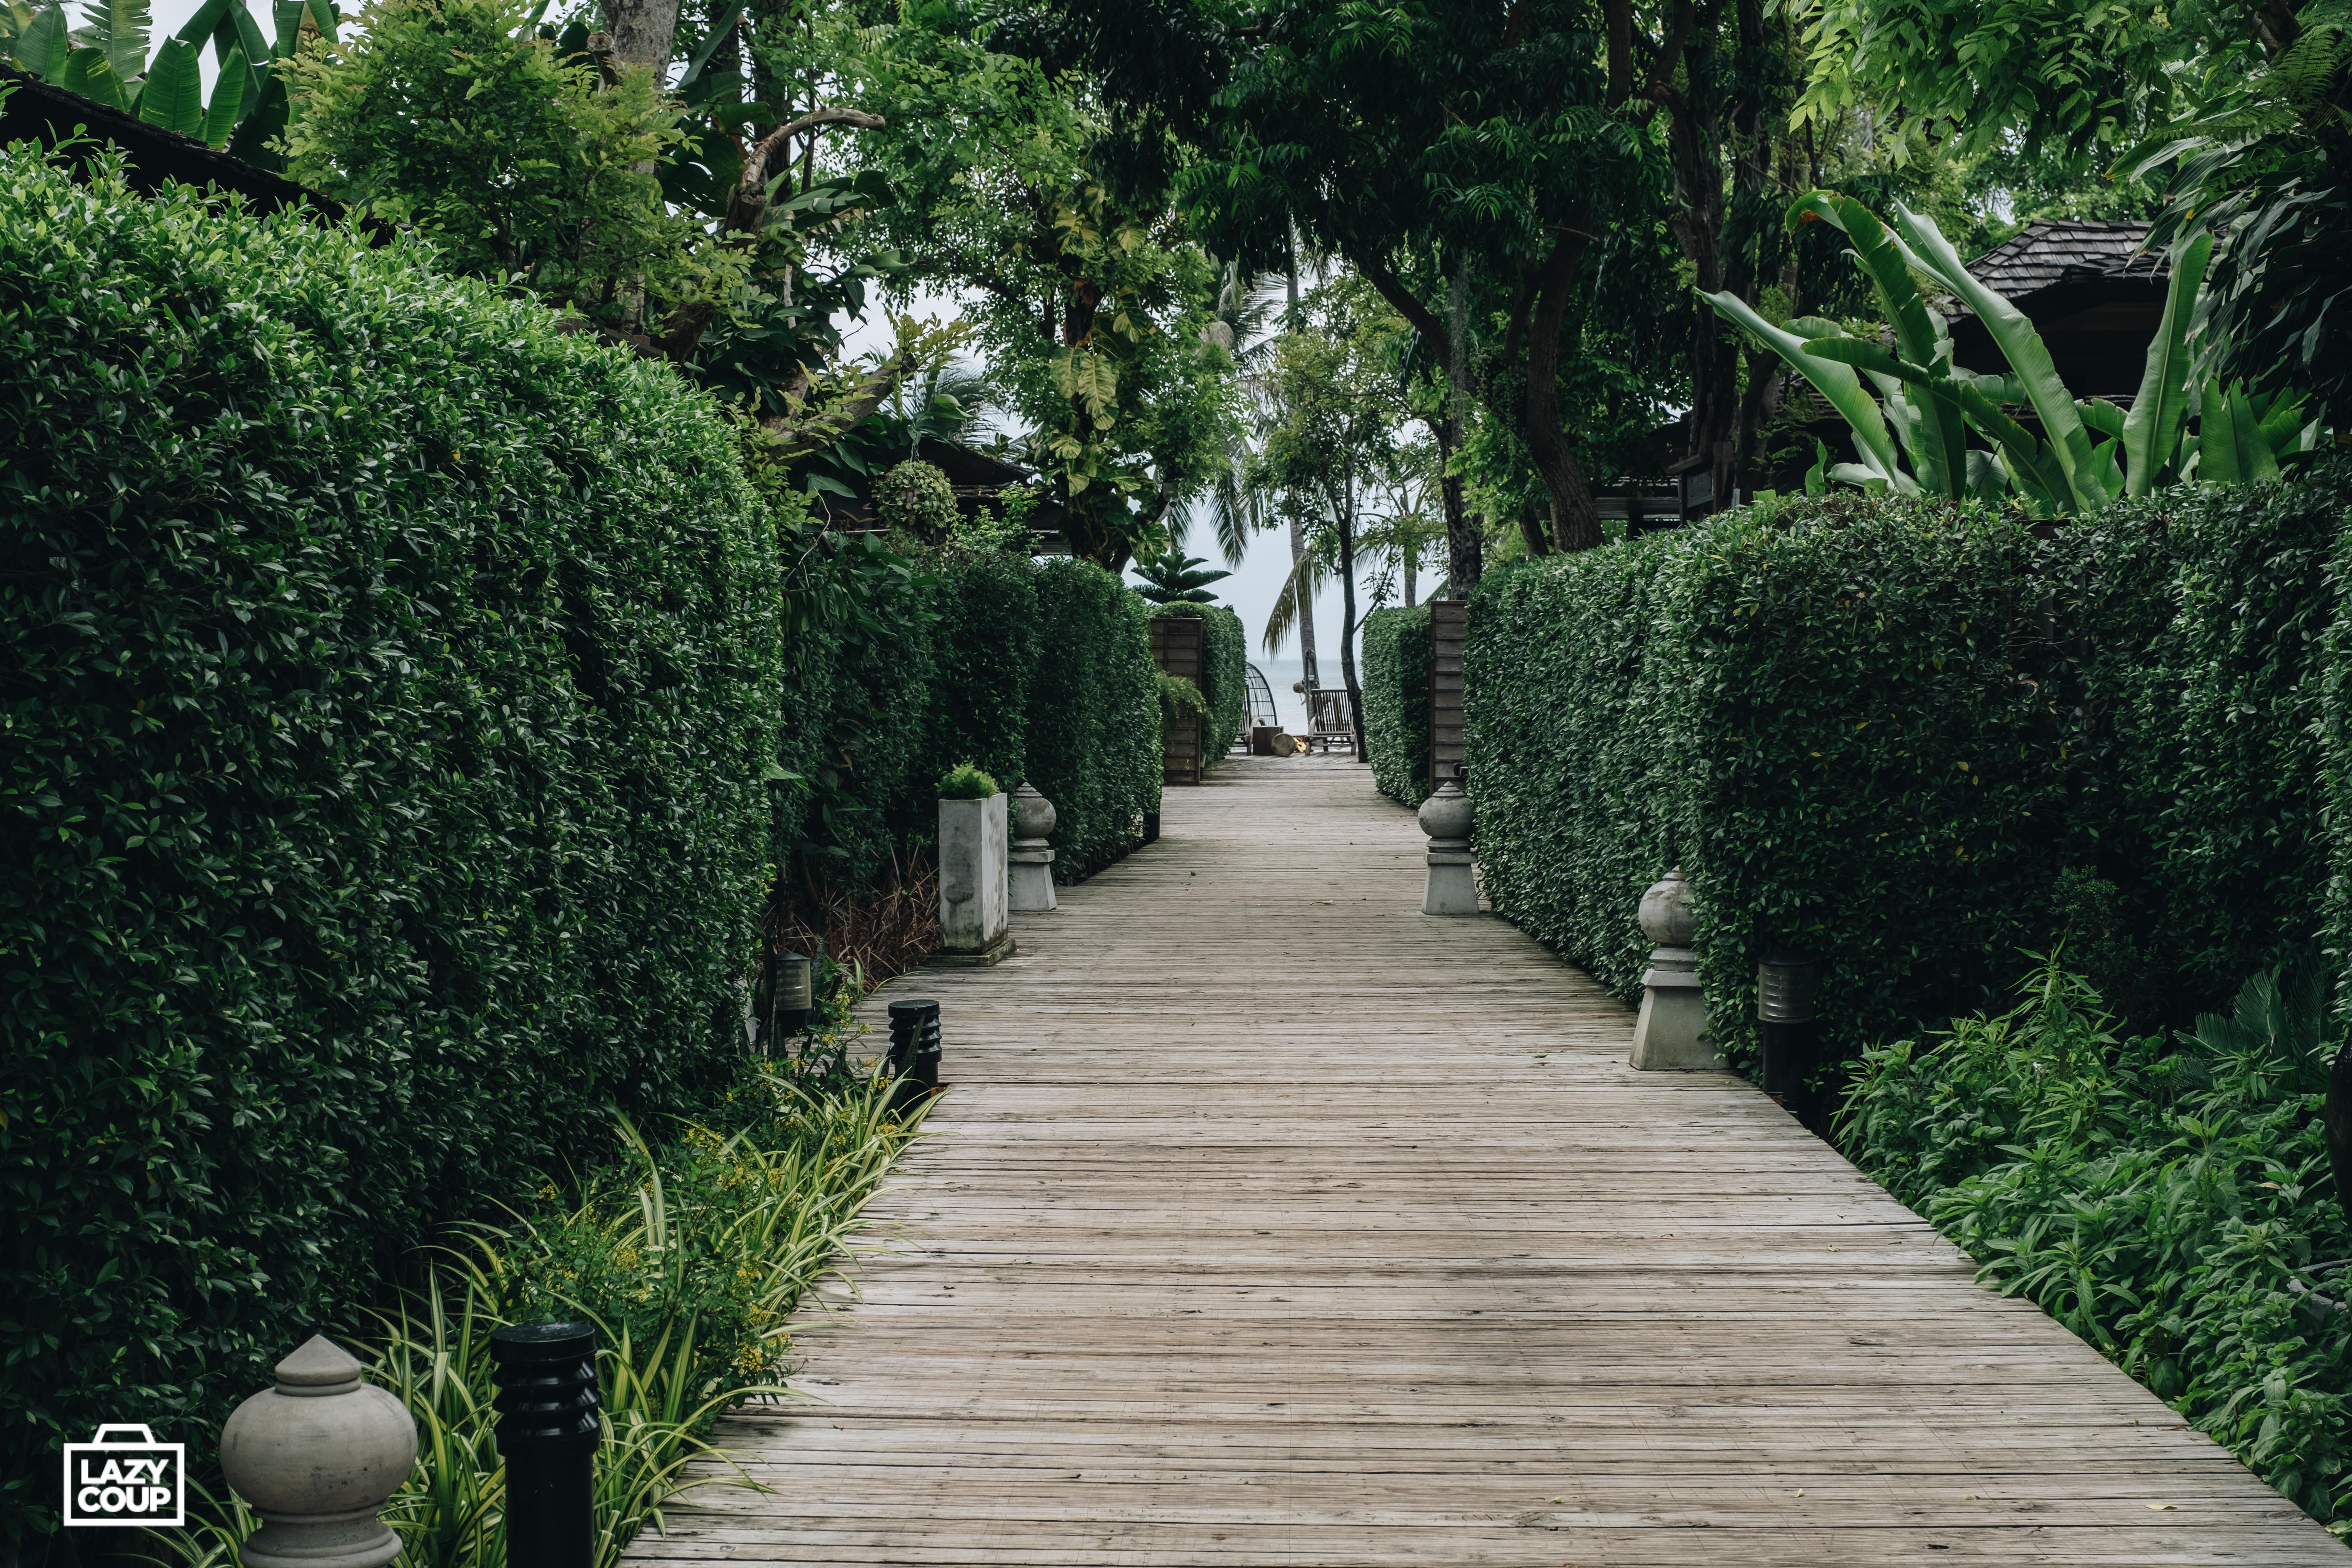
1176	650
1449	628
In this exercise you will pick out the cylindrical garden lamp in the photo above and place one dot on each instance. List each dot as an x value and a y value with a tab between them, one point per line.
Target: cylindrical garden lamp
547	1430
795	995
1786	984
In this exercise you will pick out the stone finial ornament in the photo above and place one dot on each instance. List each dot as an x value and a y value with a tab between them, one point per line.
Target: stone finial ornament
1670	1035
1448	817
317	1457
1032	858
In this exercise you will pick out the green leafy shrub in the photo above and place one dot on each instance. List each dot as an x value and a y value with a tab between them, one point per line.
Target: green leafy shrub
964	782
2157	1201
1888	730
915	500
1094	715
394	678
988	640
1224	681
1396	701
1179	697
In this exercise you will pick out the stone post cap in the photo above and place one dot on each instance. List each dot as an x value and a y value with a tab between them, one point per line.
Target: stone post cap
1449	814
1665	913
318	1366
1034	815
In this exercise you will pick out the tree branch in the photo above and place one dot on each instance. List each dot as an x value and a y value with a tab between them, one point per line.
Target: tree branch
1617	18
801	437
1431	329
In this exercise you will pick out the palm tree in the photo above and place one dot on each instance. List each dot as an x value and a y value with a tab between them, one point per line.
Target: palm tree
1176	579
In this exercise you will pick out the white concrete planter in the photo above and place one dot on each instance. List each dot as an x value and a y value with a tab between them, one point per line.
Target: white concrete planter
974	901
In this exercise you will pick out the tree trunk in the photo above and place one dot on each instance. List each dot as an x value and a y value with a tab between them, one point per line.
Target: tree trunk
1411	559
1347	599
1464	547
1576	525
1305	613
644	32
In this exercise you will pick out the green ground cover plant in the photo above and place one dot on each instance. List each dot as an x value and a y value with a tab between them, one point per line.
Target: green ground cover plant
394	678
688	1255
1916	737
2163	1197
1396	701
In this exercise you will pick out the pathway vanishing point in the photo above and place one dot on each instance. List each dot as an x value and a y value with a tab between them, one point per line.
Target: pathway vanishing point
1271	1222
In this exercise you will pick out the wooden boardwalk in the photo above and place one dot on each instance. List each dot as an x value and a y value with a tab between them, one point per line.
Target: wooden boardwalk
1272	1222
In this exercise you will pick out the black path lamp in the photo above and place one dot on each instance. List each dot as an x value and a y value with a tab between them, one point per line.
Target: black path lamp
914	1051
1786	984
547	1430
795	995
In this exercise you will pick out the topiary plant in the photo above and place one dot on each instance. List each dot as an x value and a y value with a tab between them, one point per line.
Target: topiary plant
915	498
965	782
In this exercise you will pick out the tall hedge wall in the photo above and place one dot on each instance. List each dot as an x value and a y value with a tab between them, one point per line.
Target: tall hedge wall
1094	715
1397	652
1920	741
392	678
1224	662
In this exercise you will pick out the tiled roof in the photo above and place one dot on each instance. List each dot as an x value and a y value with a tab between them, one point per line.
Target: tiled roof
2067	250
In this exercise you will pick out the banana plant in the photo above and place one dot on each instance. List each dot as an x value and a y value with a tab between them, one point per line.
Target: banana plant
2088	453
106	61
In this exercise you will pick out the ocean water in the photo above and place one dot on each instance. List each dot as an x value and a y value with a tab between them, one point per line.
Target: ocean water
1281	674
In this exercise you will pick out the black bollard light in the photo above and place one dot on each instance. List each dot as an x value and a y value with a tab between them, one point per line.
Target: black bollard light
914	1050
547	1433
1786	983
794	996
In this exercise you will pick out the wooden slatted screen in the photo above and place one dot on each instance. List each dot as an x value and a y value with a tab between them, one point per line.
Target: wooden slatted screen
1449	627
1176	650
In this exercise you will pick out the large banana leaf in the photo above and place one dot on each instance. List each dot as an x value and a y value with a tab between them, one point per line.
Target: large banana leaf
2152	430
2029	358
174	96
1835	382
119	28
42	47
231	30
90	73
1932	430
2231	446
230	96
2027	462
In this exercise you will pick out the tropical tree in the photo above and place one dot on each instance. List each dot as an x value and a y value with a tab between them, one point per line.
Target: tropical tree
1176	578
1335	409
1913	437
1088	297
2242	109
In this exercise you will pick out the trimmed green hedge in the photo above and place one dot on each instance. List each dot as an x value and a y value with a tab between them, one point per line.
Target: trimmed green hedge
1397	652
1094	715
392	679
1919	739
1224	671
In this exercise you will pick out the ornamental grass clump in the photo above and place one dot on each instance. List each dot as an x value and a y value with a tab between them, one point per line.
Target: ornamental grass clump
2164	1198
689	1258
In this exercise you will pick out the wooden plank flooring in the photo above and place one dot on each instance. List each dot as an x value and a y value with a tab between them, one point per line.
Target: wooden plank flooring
1271	1222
